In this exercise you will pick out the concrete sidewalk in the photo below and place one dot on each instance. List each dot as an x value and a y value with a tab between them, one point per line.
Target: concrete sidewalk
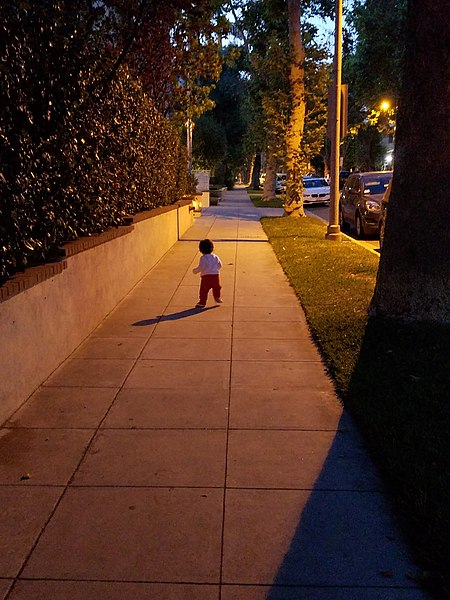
196	455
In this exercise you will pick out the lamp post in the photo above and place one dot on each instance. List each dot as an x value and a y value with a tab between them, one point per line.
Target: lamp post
333	229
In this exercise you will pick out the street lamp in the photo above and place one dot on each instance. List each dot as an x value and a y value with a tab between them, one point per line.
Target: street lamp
333	229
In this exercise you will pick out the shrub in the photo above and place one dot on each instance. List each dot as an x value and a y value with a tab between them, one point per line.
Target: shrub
80	148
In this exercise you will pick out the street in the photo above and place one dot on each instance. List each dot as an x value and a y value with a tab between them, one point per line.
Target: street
322	212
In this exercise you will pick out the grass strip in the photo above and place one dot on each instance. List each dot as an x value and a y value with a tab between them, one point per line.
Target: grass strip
256	198
393	377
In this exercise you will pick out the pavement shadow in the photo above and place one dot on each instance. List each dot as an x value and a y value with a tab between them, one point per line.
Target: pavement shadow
230	239
182	314
347	545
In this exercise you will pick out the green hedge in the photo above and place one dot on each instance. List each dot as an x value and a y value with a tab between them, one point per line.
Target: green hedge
82	144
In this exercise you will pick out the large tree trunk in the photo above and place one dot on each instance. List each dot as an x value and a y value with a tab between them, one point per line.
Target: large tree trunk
294	197
271	173
414	275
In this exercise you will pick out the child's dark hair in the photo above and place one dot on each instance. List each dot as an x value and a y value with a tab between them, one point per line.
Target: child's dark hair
206	246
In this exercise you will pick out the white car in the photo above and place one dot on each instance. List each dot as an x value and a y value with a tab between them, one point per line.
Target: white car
280	183
316	190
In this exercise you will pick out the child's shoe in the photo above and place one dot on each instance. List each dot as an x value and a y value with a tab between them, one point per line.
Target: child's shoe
198	305
218	300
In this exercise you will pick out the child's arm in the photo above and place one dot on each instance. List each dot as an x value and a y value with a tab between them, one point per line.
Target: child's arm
199	268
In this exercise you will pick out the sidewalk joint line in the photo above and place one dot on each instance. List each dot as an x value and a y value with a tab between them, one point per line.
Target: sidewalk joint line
228	414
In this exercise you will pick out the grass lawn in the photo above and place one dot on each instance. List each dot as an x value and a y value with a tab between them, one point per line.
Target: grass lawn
393	377
256	198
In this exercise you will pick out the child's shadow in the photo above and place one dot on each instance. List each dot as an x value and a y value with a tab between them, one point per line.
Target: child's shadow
182	314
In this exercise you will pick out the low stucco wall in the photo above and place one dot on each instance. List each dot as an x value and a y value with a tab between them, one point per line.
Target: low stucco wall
41	326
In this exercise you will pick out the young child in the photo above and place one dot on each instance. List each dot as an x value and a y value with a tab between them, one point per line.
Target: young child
209	267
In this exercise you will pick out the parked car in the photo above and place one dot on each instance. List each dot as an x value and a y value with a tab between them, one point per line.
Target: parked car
360	201
280	183
343	176
384	205
316	190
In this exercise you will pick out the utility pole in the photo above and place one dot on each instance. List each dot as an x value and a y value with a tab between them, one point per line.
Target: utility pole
333	229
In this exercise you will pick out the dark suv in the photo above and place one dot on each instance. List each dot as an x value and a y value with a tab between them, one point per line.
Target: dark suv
360	201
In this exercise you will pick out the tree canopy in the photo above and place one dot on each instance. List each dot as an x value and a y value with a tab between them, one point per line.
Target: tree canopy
263	28
374	60
374	44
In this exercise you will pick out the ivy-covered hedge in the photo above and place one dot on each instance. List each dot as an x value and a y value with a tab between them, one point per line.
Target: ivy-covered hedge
81	143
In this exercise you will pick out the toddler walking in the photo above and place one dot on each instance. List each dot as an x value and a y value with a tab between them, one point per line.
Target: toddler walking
208	267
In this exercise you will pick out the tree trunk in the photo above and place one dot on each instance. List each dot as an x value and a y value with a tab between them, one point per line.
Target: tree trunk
413	279
271	173
249	168
256	171
294	197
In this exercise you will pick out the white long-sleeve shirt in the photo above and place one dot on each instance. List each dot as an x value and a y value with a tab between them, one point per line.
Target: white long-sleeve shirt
210	264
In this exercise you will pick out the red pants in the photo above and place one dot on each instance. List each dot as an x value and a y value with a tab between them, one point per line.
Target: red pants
208	282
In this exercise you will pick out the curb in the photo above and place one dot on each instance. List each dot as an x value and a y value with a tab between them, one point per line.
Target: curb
351	239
